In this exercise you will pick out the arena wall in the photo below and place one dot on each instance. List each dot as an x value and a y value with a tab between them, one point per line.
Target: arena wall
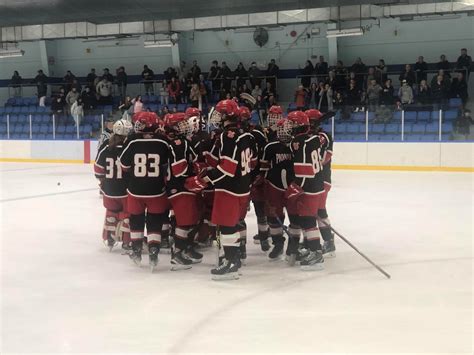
348	155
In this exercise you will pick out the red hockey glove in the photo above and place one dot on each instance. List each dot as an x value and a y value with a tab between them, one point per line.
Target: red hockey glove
293	191
199	167
195	184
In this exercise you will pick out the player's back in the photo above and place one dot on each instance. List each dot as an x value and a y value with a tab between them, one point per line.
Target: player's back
306	150
277	161
108	169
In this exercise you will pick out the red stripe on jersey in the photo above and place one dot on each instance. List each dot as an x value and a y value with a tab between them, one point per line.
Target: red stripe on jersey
327	157
304	170
253	163
179	168
264	165
211	160
228	166
99	170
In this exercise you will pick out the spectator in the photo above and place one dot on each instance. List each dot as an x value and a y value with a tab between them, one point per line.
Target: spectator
446	79
68	79
464	63
360	70
77	85
108	76
195	96
164	111
381	72
313	96
407	75
195	72
148	76
374	91
321	68
213	75
386	96
203	89
182	70
185	89
164	94
126	107
300	97
267	92
104	89
326	99
439	92
254	75
89	99
71	97
405	93
41	81
137	104
58	108
462	125
331	80
226	76
341	75
174	91
459	88
420	69
15	83
261	110
443	64
256	91
424	94
91	79
306	73
371	75
272	71
340	106
244	89
170	73
240	75
122	80
353	96
77	111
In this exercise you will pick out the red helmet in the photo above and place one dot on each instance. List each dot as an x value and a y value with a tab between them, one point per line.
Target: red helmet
192	112
145	121
244	113
227	107
177	122
313	114
284	129
275	110
298	118
275	113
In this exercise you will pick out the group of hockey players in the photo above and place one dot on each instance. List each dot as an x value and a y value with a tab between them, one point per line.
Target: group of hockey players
191	182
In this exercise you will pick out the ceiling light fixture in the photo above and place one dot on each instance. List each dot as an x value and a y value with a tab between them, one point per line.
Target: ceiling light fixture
11	53
157	43
348	32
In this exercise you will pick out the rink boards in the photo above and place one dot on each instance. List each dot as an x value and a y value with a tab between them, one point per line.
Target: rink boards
420	156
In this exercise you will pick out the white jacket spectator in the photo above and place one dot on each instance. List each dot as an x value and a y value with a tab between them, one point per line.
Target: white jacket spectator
104	88
77	111
256	91
72	97
405	93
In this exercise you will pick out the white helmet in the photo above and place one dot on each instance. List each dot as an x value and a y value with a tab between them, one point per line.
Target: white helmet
122	128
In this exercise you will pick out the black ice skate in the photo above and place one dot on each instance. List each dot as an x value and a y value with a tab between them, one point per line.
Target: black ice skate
276	252
179	261
256	239
136	252
243	252
313	261
126	249
225	271
264	243
153	256
193	255
165	245
110	242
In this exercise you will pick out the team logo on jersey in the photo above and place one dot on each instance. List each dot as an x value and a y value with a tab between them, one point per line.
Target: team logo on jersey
231	134
296	145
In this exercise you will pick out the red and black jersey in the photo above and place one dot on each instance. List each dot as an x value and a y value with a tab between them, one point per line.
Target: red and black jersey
201	143
259	142
306	150
277	164
181	159
145	157
211	155
326	154
107	168
232	173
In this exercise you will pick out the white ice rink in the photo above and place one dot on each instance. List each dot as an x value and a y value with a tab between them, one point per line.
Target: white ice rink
62	291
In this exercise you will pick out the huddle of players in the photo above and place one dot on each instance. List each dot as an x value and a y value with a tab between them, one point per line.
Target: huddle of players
208	180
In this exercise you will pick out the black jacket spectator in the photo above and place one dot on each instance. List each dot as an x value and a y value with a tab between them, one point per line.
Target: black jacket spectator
341	75
16	80
424	94
147	74
272	71
214	73
360	70
195	72
91	77
443	64
89	99
381	72
58	104
353	94
464	62
255	75
420	69
321	67
41	81
226	76
439	90
68	80
459	88
306	72
408	75
170	73
386	96
240	75
107	75
122	78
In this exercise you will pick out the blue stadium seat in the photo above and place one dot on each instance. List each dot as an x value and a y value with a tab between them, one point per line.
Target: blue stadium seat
429	138
446	128
26	129
455	102
407	128
2	110
41	109
60	136
70	129
392	128
410	116
418	128
446	137
371	116
16	109
397	115
153	98
435	115
61	129
352	128
412	137
9	110
450	115
13	119
432	127
181	107
3	128
23	118
341	127
145	99
377	128
49	136
424	115
15	135
393	137
44	128
358	116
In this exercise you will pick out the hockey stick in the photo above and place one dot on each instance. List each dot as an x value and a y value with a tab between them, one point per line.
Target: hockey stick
357	250
218	244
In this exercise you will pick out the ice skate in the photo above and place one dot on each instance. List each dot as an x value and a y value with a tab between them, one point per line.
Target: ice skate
225	271
179	261
243	252
329	249
276	252
153	257
256	239
313	261
193	255
110	242
165	245
136	252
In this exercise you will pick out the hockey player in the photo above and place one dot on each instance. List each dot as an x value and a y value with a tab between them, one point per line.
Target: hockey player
113	184
277	164
305	193
146	156
183	202
231	179
315	118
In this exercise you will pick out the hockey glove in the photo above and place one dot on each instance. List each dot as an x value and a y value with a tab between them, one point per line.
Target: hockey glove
199	168
195	184
293	191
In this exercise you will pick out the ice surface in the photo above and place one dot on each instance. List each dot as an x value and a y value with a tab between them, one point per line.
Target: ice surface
62	291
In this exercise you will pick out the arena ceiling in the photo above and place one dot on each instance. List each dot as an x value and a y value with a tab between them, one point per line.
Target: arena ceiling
33	12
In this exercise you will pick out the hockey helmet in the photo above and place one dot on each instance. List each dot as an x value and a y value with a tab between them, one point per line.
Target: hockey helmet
244	113
223	111
194	119
145	122
298	118
177	122
122	127
274	115
284	128
314	115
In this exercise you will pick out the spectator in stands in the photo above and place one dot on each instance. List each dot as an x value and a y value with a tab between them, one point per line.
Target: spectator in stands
373	95
122	80
226	76
170	73
68	79
77	85
195	96
91	79
89	99
424	95
420	69
71	97
464	63
164	94
174	91
300	97
138	104
340	106
405	93
353	98
386	96
341	75
360	70
126	107
256	91
15	83
407	75
267	92
371	75
254	75
182	70
244	88
444	65
41	81
326	99
58	108
164	111
439	92
306	73
272	72
322	68
331	80
77	111
214	74
240	75
313	96
107	75
203	89
104	90
185	85
381	72
195	72
148	76
462	125
459	88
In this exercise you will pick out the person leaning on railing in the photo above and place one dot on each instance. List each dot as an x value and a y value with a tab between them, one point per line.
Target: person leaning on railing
240	74
15	83
464	62
272	73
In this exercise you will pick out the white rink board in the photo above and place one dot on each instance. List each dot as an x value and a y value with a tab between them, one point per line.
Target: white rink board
62	292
